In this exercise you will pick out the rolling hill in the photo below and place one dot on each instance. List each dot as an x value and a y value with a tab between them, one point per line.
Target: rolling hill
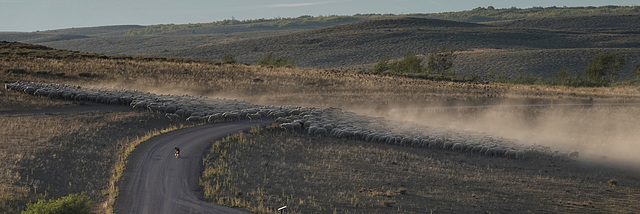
628	22
537	46
534	51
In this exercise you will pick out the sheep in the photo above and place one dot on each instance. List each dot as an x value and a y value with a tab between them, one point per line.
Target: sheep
560	155
289	126
232	116
172	117
406	141
328	127
484	149
459	147
511	153
282	120
476	149
499	151
320	131
312	129
574	154
194	119
170	109
438	143
214	118
254	116
448	145
490	152
375	138
415	142
520	154
383	139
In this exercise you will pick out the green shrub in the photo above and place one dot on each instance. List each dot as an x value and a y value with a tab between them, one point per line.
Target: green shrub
71	204
229	59
270	60
382	65
409	64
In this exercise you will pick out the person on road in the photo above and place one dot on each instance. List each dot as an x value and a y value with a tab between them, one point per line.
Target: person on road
177	152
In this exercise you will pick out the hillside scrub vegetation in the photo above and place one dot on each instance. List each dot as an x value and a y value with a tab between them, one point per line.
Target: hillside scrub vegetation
490	13
409	64
71	204
438	63
270	60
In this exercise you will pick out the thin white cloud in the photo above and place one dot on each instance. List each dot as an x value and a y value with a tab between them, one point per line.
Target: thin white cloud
297	4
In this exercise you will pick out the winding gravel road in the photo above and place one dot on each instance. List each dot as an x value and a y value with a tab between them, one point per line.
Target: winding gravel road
155	181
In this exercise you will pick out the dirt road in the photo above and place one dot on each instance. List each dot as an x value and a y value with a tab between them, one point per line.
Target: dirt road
156	182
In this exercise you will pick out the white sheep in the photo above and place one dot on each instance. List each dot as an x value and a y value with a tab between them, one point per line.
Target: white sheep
172	117
320	131
254	116
520	154
511	153
574	154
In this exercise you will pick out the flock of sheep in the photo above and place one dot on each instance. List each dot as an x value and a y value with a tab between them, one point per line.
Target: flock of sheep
314	121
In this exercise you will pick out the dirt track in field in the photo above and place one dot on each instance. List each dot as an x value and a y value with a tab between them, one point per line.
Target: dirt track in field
155	181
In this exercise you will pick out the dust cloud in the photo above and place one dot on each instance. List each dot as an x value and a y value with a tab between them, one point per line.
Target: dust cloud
605	132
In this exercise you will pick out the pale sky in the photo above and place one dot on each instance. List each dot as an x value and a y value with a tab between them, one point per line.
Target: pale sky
32	15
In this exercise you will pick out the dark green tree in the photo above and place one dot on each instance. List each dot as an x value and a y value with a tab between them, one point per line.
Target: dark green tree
441	62
604	68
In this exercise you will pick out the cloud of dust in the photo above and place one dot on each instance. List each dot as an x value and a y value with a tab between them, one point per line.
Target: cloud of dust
598	132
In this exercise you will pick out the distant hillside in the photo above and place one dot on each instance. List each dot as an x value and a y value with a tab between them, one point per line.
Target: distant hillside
66	34
629	22
490	13
479	14
367	41
544	63
534	41
232	26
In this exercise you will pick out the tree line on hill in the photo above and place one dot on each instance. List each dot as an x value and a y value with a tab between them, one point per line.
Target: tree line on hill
480	14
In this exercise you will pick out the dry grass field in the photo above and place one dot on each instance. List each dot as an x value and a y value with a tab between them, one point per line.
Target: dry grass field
51	155
269	168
